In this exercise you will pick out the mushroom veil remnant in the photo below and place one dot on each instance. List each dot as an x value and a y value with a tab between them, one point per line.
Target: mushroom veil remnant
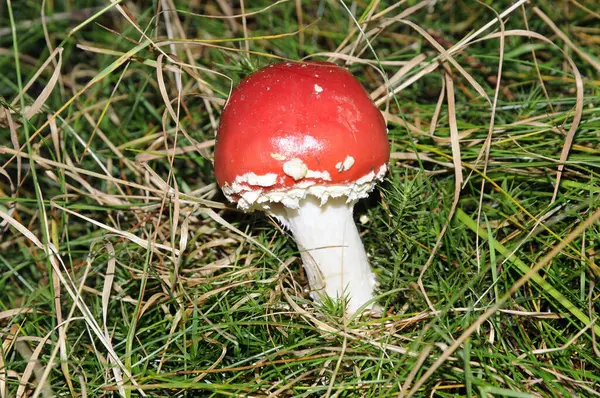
304	142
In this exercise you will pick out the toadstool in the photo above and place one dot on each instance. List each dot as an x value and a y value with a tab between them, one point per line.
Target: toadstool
304	142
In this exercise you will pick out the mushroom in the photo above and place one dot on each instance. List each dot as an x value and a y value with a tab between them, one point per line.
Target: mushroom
304	142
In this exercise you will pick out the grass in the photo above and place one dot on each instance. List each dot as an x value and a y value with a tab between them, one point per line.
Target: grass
123	271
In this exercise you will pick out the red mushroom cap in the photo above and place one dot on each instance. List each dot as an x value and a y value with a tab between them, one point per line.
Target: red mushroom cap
294	125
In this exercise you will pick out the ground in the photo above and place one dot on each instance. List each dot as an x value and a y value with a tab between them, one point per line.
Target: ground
124	270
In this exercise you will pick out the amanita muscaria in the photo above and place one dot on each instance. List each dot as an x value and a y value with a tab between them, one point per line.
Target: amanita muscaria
304	142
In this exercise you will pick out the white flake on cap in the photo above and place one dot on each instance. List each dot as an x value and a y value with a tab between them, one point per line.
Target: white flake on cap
318	89
323	175
265	180
298	170
247	183
250	196
345	165
295	168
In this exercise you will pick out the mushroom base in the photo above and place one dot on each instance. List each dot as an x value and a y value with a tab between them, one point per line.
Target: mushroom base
332	252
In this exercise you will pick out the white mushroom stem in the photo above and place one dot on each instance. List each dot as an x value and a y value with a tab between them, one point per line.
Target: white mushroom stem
332	252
